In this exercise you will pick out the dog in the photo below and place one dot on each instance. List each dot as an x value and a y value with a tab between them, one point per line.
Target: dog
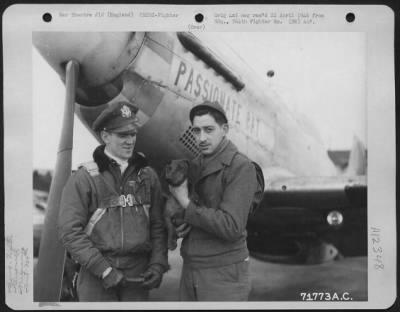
175	173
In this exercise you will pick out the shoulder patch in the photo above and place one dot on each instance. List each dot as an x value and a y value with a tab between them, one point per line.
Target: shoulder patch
91	167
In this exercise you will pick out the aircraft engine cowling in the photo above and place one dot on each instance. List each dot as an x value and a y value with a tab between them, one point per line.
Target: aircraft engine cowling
102	57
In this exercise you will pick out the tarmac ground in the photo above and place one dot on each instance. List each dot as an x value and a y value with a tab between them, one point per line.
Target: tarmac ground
281	282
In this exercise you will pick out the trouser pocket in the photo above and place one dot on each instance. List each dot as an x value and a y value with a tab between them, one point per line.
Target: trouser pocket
225	283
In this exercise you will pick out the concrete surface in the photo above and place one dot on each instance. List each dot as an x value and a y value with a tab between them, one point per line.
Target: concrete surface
276	282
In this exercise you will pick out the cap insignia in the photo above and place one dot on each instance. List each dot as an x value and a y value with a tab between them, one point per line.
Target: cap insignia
126	112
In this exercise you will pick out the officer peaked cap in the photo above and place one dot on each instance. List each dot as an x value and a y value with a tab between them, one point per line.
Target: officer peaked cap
118	117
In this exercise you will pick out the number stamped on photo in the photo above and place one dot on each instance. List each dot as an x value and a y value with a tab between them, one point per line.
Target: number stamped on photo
325	296
377	249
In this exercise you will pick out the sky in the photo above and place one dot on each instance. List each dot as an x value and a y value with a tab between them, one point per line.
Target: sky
322	75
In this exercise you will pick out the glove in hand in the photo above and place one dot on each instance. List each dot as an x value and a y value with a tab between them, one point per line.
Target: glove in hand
153	276
113	279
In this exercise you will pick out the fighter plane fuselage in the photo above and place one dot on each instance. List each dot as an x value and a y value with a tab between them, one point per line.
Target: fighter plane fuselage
164	75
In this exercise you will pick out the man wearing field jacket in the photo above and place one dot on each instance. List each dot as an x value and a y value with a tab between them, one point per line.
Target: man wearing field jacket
111	218
214	250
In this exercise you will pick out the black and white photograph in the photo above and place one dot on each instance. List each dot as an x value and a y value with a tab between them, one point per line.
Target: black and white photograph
199	166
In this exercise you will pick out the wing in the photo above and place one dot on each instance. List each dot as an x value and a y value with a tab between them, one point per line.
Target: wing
310	219
317	192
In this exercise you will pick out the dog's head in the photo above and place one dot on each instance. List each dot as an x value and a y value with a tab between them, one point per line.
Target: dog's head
176	171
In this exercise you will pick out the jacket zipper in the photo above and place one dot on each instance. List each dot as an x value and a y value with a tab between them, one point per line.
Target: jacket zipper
121	187
122	222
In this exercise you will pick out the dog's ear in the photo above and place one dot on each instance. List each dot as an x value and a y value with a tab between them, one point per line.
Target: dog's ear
187	164
165	169
183	165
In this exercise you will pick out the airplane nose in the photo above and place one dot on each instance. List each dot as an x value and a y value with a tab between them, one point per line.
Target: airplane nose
112	68
102	56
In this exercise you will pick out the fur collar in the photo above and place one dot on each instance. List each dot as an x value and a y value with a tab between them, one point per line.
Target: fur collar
103	162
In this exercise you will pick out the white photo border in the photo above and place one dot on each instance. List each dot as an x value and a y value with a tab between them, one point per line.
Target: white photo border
376	21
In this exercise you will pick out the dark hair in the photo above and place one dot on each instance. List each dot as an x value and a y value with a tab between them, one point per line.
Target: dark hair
218	116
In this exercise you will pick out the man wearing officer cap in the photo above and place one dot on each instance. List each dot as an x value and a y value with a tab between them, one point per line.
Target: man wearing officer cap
214	250
111	218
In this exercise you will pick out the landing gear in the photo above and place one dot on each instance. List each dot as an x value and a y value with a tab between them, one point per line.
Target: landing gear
316	251
50	266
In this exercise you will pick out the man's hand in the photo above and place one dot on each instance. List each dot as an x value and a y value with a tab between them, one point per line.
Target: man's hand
183	230
181	193
113	279
153	276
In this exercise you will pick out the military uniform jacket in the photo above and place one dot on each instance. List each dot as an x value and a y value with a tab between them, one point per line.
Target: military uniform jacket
225	185
131	223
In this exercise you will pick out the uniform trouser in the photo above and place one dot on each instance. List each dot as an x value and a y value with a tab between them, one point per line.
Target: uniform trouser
224	283
90	287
